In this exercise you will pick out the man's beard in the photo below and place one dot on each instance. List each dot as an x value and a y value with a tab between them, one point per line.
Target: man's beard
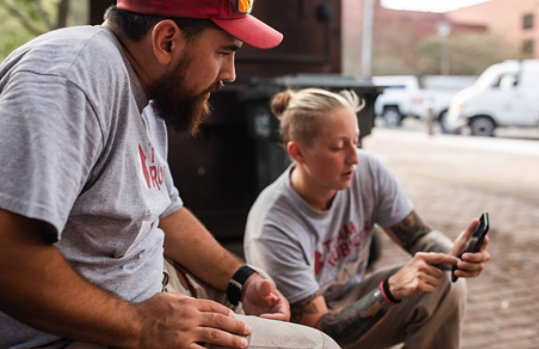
181	109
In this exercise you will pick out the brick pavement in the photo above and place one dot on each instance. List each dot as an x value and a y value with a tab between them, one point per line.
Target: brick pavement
449	187
503	304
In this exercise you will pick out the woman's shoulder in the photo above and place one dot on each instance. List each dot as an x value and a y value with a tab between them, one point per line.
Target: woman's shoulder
368	159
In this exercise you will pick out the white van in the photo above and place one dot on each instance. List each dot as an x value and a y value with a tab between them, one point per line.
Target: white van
437	92
505	94
396	101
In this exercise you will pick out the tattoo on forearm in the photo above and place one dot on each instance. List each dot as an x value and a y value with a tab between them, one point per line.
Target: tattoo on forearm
303	307
348	325
415	236
433	242
410	230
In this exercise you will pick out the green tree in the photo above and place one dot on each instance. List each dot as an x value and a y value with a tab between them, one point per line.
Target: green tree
393	49
468	54
23	20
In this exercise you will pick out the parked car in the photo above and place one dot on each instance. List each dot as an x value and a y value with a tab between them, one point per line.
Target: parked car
397	100
436	94
505	94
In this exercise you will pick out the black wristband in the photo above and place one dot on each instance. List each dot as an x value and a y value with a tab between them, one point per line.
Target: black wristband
387	293
233	290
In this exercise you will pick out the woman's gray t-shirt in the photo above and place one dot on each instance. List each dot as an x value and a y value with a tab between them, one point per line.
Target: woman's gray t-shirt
305	250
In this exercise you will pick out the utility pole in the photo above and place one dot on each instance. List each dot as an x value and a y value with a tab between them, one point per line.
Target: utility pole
366	42
444	29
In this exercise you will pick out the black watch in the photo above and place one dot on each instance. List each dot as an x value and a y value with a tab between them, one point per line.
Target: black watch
233	290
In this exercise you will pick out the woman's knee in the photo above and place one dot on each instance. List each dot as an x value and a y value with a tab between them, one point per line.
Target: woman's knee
456	292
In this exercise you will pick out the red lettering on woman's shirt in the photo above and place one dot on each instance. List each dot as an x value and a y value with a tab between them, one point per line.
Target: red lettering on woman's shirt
340	245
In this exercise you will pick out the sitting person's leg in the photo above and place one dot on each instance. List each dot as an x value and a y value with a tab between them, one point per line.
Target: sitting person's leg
429	321
266	333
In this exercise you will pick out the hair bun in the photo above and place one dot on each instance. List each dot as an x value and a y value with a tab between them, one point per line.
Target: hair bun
280	102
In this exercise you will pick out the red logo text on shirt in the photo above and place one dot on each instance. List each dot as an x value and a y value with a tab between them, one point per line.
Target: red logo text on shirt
340	245
153	173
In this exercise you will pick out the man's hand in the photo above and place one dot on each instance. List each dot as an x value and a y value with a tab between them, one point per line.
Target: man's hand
261	298
470	264
420	275
172	320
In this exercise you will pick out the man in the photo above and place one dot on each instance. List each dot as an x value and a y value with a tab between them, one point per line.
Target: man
87	203
312	227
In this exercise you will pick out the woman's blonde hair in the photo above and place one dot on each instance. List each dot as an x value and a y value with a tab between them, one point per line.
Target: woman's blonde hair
300	112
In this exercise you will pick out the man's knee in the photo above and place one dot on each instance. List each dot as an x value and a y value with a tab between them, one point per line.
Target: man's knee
272	334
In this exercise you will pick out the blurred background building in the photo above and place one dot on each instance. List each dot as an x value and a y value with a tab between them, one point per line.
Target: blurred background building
412	42
401	42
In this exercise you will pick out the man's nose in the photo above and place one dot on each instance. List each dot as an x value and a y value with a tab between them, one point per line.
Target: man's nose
228	70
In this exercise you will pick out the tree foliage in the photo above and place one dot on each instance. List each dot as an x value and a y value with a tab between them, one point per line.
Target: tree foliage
23	20
38	16
468	54
397	50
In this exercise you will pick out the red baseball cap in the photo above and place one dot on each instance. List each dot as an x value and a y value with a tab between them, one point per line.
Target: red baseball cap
233	16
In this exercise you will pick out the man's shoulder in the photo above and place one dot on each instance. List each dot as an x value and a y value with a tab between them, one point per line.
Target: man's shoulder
67	50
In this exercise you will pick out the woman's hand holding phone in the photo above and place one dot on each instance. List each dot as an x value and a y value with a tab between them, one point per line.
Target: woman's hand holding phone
472	240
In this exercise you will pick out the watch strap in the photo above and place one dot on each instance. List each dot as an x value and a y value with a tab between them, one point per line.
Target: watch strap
235	285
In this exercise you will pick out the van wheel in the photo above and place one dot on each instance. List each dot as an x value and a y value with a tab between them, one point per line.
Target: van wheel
442	120
482	126
392	117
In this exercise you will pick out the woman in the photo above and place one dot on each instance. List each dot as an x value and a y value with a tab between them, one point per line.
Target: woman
311	230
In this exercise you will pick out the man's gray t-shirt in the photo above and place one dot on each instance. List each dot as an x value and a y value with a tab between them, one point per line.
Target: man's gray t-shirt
82	151
305	250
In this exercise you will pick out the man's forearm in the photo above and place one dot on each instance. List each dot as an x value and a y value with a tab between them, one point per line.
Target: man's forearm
190	244
348	325
41	289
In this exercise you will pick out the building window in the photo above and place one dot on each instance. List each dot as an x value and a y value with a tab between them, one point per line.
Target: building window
527	48
527	21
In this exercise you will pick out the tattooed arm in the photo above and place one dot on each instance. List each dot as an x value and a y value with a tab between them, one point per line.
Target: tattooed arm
418	276
415	236
345	325
349	324
430	250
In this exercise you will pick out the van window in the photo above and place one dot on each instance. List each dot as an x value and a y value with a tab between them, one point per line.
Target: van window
506	81
397	86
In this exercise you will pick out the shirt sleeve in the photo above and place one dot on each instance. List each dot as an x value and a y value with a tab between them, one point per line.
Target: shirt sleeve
285	261
50	140
392	204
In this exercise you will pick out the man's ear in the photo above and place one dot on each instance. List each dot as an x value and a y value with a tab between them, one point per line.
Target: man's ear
294	150
167	40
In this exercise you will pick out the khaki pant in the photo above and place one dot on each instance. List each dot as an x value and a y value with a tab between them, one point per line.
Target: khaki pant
266	334
270	334
430	321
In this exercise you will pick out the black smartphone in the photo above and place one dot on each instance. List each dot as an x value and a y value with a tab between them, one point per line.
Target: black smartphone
475	240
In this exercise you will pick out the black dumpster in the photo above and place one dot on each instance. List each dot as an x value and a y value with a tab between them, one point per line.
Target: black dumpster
238	150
